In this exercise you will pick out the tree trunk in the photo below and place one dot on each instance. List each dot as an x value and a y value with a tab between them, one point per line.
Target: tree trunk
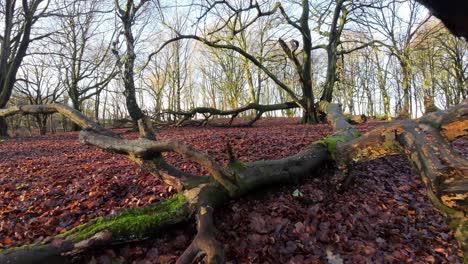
129	83
126	62
3	127
382	80
332	52
96	107
386	103
77	105
309	113
405	86
331	75
41	120
132	105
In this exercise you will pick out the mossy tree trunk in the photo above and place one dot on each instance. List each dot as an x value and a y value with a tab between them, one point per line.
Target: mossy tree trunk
405	86
443	171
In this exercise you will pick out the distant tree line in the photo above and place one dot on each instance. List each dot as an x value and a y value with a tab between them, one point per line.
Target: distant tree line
116	60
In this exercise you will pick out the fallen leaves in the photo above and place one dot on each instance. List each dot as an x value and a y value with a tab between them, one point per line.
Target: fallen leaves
51	184
7	241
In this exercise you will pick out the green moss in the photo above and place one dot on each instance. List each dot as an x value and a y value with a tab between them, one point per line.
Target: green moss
380	117
331	143
356	134
459	227
35	247
130	223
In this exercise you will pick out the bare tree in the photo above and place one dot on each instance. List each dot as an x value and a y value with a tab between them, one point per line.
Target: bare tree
38	84
84	51
234	27
18	20
456	51
231	24
126	59
400	34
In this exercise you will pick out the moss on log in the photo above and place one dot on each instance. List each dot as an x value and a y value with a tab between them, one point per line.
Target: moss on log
131	224
135	223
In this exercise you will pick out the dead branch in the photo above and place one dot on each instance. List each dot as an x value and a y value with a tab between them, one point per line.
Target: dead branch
208	112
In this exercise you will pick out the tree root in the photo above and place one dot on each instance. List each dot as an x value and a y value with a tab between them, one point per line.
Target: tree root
205	241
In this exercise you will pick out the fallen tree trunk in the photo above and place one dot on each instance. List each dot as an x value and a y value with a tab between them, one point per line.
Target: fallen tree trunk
424	141
209	112
356	119
200	195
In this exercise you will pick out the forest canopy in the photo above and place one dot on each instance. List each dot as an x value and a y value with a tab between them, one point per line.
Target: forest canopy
148	66
377	58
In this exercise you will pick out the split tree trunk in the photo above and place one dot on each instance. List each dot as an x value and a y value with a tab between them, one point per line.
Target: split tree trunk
443	171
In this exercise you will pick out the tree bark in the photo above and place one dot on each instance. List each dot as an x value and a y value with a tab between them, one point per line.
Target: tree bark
339	18
41	121
15	43
405	85
127	61
77	105
3	127
309	115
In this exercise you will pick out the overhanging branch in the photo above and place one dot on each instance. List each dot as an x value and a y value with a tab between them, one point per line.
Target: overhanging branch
216	44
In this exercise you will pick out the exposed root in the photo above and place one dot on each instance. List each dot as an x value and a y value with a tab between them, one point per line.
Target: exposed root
205	241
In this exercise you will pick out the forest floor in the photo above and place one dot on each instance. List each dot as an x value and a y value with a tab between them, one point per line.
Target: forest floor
49	184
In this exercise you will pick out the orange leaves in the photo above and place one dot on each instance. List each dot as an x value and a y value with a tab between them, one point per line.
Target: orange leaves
7	241
384	217
45	184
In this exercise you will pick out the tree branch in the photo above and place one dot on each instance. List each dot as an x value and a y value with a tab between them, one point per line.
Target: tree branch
242	52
